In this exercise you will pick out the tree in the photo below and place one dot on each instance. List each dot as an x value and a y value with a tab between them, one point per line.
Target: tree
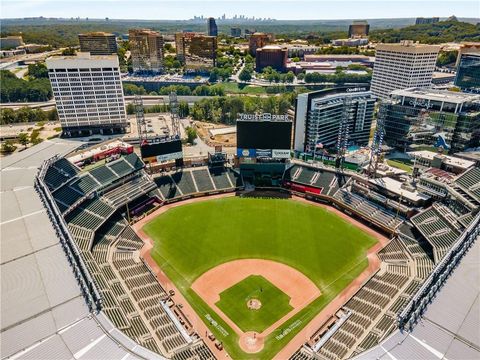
23	139
289	77
69	51
183	109
7	116
191	134
447	58
8	147
245	75
38	70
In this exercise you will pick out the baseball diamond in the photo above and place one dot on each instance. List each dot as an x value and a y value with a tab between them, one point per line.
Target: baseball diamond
324	248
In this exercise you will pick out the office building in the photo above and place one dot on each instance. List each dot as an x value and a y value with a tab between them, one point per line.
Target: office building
88	93
320	115
212	29
11	42
236	32
418	117
422	20
98	43
402	66
196	51
467	47
273	56
146	47
358	29
468	73
256	41
350	42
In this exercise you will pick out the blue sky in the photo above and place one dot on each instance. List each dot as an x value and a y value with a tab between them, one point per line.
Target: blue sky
279	9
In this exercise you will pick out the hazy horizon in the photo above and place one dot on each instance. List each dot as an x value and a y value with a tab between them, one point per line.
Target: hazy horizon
281	10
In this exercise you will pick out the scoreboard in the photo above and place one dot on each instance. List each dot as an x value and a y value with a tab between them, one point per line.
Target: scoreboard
264	136
154	150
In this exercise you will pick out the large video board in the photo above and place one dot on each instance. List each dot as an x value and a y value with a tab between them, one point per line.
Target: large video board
162	150
253	132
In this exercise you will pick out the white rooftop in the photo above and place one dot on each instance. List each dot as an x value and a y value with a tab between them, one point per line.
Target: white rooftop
43	313
437	95
395	187
82	60
91	151
446	159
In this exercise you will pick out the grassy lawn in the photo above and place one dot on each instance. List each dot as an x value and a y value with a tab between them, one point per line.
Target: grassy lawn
234	303
402	165
233	88
193	238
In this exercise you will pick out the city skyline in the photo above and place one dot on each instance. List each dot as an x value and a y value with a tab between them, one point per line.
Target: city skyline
283	10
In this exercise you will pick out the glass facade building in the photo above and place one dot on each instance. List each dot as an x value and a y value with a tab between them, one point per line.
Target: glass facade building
319	117
421	117
468	73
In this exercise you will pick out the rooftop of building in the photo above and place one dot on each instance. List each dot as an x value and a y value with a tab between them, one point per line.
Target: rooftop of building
338	56
437	95
438	175
143	32
470	155
408	46
11	37
96	33
398	188
271	47
94	150
446	159
475	54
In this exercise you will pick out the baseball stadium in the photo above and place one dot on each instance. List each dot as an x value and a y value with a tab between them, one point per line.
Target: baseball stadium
107	254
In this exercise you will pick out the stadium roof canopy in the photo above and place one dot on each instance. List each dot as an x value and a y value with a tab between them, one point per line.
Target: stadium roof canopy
449	329
43	313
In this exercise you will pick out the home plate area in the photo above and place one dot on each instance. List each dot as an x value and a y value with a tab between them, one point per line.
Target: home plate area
255	296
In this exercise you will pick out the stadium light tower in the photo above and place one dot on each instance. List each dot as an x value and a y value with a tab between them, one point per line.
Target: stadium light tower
377	142
140	116
343	131
174	114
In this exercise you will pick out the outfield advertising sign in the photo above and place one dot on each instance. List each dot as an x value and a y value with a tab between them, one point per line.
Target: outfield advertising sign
263	153
168	157
281	154
266	153
246	152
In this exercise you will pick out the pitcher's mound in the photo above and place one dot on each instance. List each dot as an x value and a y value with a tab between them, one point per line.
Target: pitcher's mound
254	304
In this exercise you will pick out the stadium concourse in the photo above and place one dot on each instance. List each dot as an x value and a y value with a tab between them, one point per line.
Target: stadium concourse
44	314
75	286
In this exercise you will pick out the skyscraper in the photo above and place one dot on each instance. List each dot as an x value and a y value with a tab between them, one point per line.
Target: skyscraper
146	47
320	115
235	32
421	20
98	43
256	41
358	29
212	27
468	73
197	51
428	117
88	93
273	56
401	66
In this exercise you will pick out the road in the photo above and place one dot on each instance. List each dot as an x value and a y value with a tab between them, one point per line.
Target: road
147	101
12	62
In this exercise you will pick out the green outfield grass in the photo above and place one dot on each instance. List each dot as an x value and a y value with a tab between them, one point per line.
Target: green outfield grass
193	238
234	303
